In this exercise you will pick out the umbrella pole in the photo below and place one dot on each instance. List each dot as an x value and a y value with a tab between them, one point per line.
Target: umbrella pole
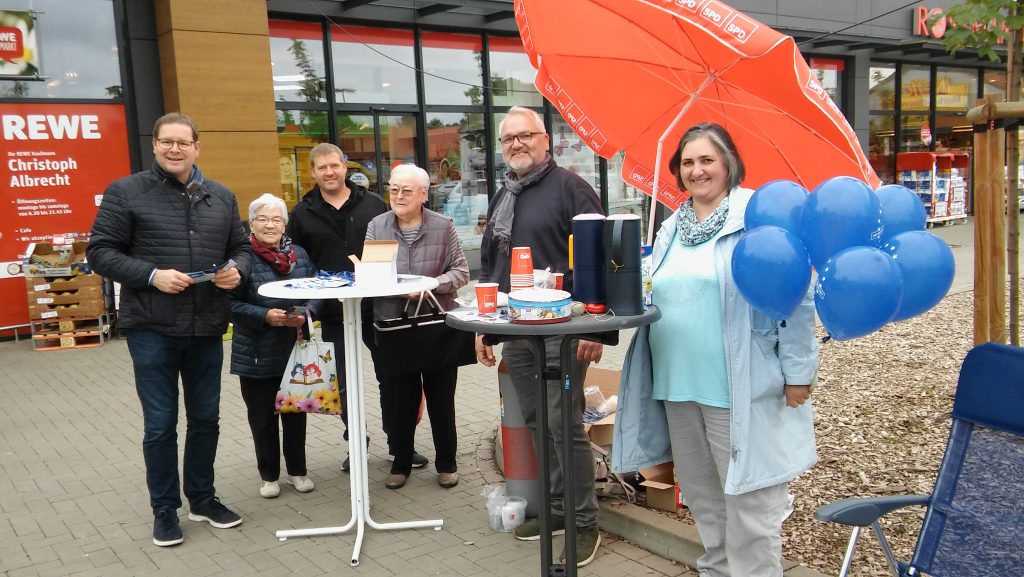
657	171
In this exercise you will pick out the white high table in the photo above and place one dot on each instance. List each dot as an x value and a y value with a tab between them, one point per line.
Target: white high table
350	298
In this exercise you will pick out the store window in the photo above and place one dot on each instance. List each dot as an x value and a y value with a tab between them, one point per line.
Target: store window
915	87
452	68
297	61
570	152
457	164
512	75
882	87
298	131
829	74
955	89
373	65
882	147
624	198
78	55
915	133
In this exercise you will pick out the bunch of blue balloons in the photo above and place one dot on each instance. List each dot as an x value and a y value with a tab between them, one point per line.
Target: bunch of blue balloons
876	263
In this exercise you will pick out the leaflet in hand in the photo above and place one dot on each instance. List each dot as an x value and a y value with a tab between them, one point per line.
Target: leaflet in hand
208	274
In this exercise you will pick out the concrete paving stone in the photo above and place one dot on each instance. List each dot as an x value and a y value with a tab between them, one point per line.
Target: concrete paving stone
36	569
13	556
25	525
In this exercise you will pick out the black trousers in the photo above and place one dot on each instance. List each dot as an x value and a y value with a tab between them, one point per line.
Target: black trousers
259	395
402	395
331	331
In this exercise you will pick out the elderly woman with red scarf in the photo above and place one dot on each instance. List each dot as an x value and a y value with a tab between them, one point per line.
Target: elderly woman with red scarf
264	334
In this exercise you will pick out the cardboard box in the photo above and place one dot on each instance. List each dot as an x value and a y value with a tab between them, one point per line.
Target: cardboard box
46	259
608	381
379	263
660	484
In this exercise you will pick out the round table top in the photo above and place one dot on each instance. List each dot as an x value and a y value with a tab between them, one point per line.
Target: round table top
574	326
406	284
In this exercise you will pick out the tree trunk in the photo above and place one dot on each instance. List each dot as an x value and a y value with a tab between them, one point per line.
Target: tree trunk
1013	77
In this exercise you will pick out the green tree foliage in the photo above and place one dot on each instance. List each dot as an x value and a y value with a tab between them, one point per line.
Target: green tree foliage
981	24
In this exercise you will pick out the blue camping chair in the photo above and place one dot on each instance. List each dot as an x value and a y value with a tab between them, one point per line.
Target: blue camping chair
974	523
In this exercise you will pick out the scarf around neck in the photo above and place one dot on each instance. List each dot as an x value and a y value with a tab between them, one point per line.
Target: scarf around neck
691	232
505	211
281	259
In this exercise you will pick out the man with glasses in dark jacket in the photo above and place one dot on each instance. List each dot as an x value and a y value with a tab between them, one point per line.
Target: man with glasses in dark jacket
175	242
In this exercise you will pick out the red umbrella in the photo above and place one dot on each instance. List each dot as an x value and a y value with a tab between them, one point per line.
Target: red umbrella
633	75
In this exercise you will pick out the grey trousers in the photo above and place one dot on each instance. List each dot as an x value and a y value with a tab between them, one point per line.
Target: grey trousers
519	360
742	534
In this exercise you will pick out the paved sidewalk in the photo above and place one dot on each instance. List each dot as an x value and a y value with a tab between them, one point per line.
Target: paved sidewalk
73	498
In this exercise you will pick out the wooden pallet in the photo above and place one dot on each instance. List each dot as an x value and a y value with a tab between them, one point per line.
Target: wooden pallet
74	333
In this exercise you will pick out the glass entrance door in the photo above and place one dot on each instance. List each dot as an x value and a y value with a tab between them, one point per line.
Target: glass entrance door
373	143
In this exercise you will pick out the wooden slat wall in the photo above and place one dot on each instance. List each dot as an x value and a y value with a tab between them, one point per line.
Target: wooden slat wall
215	64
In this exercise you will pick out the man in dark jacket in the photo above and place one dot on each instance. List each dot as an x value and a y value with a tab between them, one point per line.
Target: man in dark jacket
534	208
155	230
330	223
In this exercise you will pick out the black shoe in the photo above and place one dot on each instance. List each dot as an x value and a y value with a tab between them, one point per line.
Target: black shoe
418	460
215	513
166	531
345	465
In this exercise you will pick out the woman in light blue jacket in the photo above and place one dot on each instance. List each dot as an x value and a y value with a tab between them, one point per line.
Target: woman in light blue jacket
716	386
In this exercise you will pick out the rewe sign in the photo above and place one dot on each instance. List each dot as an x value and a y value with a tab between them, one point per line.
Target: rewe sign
922	14
12	43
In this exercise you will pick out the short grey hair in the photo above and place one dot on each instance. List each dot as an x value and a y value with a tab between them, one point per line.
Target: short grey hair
523	111
268	200
412	170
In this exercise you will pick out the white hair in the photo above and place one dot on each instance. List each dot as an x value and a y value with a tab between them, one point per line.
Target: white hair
265	201
523	111
412	170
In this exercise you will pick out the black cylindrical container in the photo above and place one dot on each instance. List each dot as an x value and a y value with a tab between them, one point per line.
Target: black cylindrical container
622	264
588	275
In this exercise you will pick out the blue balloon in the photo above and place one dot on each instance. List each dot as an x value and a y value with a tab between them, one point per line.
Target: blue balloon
777	203
772	270
858	291
926	263
902	210
842	212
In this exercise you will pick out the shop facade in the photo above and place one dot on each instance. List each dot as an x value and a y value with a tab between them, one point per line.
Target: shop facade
427	82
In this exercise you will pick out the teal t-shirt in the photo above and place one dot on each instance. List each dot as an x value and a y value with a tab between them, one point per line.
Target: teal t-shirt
687	347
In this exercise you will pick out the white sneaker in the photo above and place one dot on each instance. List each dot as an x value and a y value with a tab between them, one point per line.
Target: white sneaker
270	489
301	484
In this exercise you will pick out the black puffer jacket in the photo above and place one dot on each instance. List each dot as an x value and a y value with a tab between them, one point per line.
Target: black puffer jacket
259	350
148	221
329	235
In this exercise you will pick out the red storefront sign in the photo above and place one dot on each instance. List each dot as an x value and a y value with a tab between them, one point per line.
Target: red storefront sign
55	163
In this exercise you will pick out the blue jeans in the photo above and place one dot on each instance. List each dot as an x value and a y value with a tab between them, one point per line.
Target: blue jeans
158	360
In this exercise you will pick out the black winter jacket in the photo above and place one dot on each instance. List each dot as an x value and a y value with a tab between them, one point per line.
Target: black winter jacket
329	235
148	221
259	350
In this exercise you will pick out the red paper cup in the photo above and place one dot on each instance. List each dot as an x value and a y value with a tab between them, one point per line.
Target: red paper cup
522	261
558	279
487	298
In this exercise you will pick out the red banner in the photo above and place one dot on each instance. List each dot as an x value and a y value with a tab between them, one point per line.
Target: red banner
57	160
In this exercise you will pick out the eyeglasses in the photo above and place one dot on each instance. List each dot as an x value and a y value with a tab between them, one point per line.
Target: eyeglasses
264	221
167	144
523	137
395	191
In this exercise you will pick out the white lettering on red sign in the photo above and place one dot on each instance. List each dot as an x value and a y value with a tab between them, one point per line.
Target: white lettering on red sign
690	5
741	27
11	43
716	12
50	127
